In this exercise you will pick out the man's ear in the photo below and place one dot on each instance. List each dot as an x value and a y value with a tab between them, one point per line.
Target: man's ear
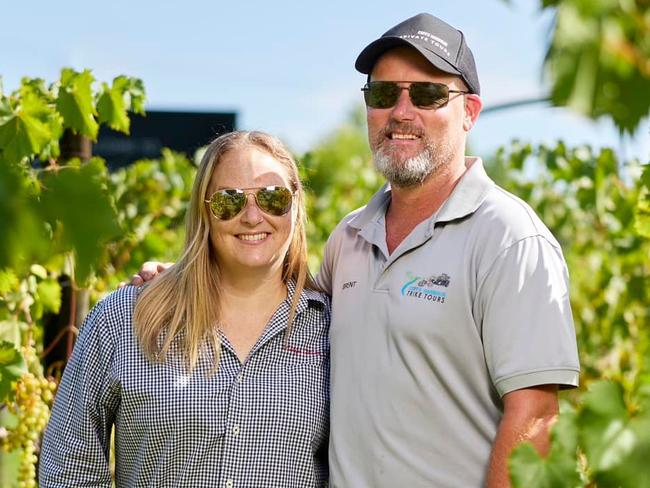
473	106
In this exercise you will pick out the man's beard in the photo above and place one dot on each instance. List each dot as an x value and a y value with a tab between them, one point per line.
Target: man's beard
412	171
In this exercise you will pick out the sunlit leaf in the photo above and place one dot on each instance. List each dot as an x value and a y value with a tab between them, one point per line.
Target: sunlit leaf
10	331
111	105
25	127
49	295
11	366
75	102
8	280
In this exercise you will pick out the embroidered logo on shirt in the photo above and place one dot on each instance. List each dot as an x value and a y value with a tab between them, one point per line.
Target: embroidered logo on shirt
431	289
349	284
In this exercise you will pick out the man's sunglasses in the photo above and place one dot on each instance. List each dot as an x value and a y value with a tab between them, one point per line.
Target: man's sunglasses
229	202
423	94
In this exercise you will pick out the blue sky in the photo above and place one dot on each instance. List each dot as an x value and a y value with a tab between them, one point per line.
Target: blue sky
288	67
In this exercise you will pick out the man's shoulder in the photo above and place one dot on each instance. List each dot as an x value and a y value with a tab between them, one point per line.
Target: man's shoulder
344	226
508	216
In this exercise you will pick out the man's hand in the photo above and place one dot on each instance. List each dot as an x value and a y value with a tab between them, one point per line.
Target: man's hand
148	272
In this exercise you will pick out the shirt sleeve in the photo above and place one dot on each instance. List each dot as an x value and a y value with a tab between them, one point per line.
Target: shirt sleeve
75	449
324	276
527	326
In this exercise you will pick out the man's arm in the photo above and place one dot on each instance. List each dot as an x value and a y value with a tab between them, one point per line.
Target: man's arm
528	415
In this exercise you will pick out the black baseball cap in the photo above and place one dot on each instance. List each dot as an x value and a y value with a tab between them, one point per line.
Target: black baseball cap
442	45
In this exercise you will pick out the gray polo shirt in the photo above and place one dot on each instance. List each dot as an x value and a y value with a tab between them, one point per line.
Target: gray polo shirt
473	304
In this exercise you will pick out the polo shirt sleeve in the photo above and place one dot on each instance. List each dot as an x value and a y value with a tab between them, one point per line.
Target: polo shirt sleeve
325	274
75	449
527	326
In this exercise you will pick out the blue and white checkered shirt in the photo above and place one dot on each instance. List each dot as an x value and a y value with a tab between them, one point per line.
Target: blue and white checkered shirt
263	423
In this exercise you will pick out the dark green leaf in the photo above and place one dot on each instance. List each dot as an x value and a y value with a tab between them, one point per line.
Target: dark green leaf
599	60
23	234
77	199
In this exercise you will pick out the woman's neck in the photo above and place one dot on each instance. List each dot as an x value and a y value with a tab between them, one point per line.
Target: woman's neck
251	289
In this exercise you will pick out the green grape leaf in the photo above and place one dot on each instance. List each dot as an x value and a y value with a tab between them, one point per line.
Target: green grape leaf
115	101
11	367
598	61
25	127
23	234
137	95
49	294
10	331
75	102
557	470
76	197
111	105
606	434
8	281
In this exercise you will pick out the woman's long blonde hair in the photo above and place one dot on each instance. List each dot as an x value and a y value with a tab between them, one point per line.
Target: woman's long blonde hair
183	301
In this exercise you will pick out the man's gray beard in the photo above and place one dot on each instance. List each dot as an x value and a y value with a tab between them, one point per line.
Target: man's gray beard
411	172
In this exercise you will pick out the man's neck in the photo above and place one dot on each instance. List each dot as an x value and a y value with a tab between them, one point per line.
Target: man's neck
411	205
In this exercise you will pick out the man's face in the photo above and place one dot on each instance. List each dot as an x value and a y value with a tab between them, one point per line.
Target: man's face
410	143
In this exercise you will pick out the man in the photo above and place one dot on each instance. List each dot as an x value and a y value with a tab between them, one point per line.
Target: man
451	326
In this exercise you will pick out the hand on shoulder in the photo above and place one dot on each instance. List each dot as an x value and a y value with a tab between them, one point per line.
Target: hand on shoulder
148	272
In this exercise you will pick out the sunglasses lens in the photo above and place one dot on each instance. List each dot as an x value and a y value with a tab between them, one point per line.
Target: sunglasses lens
274	200
226	204
381	94
429	95
424	94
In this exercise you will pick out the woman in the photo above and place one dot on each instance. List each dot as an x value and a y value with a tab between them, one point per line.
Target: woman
216	373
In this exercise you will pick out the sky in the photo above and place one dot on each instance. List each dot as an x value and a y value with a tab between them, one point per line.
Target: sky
287	67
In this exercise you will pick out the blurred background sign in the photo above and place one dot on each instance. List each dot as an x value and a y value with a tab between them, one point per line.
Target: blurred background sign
181	131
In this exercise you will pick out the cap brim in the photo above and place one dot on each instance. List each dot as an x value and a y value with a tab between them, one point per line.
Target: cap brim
368	57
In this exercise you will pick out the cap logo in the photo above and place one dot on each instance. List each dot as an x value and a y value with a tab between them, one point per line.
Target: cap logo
429	39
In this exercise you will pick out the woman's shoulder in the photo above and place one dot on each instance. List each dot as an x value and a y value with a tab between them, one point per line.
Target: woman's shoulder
113	312
316	294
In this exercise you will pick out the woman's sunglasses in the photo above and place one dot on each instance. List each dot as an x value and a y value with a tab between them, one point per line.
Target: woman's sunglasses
423	94
229	202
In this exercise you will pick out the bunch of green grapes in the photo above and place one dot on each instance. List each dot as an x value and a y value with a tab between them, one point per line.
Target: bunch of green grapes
32	397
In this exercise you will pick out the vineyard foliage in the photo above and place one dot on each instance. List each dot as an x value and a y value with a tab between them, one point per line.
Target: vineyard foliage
68	221
598	60
594	205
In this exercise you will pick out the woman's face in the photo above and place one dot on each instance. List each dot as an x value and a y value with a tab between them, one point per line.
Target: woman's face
252	241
